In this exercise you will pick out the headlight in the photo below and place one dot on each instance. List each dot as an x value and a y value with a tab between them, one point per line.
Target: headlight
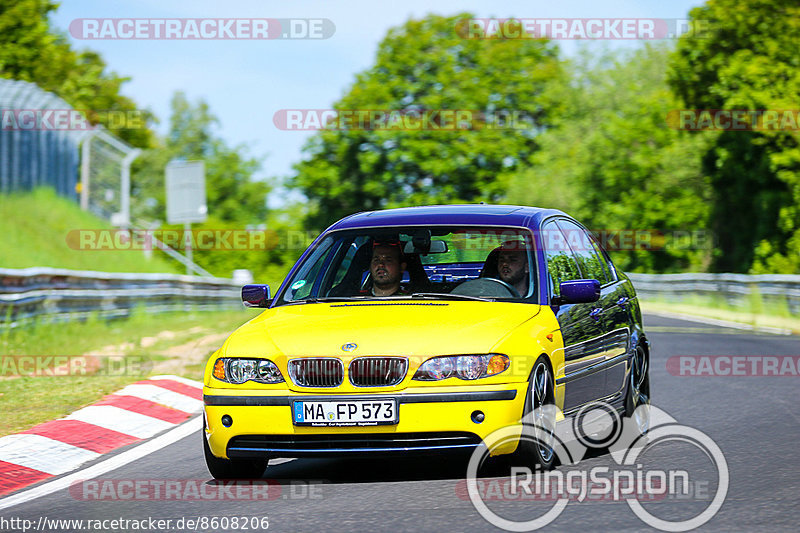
238	370
467	367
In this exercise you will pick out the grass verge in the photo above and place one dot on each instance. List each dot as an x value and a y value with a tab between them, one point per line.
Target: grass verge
125	351
35	232
710	309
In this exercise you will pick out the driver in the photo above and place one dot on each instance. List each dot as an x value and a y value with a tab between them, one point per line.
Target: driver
386	267
512	266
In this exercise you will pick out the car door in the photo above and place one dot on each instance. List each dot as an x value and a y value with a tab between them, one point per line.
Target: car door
617	319
579	323
610	308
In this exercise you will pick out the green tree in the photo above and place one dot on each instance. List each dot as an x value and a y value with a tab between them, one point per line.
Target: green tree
426	65
611	160
747	58
32	51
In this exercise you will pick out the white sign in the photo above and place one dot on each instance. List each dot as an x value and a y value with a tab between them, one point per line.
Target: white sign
186	192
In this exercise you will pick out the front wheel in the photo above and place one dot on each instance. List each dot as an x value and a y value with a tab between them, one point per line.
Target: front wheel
537	443
232	468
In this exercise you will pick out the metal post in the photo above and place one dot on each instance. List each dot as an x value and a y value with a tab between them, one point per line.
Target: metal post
125	187
85	166
187	233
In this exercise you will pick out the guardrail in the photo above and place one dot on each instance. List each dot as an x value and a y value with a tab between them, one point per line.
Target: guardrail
61	295
736	289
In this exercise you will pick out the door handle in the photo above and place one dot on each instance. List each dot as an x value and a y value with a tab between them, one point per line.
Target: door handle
622	302
596	312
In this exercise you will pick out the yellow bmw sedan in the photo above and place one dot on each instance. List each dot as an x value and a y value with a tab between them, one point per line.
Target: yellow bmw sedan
423	330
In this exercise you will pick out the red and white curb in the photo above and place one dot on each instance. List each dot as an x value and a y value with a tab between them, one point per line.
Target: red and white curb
137	412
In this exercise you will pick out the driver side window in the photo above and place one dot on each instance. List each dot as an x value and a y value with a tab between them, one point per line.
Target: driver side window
583	248
561	263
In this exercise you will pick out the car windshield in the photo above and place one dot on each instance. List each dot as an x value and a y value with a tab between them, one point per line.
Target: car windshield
436	262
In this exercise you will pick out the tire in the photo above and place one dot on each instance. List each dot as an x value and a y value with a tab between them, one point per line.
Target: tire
232	468
639	391
536	446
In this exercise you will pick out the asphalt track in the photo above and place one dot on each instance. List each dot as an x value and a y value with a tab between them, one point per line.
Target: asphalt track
753	420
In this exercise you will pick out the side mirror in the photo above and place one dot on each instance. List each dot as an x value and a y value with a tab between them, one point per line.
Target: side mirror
256	296
579	291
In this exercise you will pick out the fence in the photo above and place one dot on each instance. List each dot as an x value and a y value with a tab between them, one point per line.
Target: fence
106	177
736	289
38	148
62	295
34	157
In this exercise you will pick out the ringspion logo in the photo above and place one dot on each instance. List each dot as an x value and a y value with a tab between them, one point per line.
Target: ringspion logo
625	481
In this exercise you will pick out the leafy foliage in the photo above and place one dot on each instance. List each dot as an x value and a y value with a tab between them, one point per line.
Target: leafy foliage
611	161
426	65
31	51
748	59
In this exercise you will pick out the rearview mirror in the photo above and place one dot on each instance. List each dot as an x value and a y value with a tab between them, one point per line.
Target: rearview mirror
256	296
434	247
579	291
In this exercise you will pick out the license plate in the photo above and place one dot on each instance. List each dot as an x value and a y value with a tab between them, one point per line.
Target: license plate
345	413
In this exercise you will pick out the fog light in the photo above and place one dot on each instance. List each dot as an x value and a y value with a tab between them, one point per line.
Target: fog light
477	416
227	421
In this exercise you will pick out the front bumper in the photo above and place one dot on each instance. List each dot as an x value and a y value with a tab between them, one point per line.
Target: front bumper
430	420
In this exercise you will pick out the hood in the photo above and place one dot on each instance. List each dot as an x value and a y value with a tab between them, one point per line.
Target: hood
394	327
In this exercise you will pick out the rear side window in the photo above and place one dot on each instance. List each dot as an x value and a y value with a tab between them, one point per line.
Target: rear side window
561	263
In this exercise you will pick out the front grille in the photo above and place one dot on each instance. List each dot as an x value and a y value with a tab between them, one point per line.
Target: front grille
316	372
377	371
346	444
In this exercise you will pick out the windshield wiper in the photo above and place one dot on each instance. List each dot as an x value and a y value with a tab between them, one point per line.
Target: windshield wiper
324	299
445	296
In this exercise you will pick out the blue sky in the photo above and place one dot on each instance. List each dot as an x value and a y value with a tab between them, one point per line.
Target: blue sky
245	82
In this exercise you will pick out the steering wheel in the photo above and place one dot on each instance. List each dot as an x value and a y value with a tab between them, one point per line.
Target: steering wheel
490	287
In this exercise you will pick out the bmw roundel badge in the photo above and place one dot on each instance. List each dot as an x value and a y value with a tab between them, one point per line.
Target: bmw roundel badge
349	347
